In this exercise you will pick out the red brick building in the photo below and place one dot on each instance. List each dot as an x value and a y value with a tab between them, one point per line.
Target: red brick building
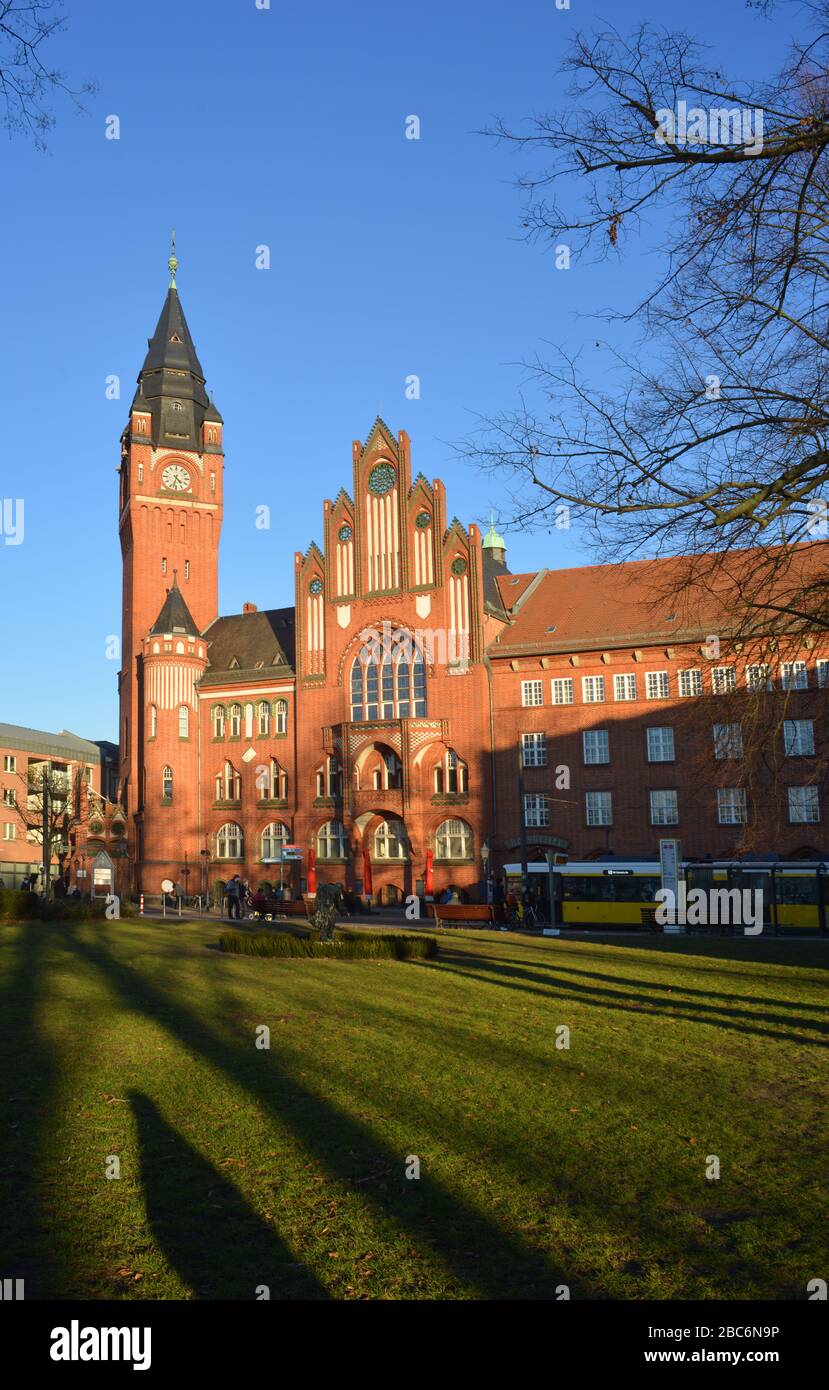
84	820
418	702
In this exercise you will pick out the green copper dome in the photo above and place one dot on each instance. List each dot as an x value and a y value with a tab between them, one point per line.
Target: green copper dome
492	540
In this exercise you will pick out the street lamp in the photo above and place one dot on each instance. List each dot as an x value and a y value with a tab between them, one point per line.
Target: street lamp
485	860
204	855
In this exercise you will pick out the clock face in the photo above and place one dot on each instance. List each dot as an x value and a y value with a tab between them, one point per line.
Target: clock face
176	478
382	478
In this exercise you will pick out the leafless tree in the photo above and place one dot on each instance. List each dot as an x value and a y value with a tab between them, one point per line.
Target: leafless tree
28	85
712	436
47	803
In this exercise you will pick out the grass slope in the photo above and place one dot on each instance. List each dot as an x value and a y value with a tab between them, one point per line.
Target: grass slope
540	1166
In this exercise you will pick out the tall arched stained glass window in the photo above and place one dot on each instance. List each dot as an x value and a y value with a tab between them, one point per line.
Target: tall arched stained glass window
418	687
388	682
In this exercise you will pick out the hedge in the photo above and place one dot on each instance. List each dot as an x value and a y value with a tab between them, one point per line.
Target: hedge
346	946
17	906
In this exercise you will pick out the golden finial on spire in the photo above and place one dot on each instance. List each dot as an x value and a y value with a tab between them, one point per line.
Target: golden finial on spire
173	262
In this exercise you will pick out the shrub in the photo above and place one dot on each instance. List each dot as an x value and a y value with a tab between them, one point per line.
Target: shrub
16	906
345	946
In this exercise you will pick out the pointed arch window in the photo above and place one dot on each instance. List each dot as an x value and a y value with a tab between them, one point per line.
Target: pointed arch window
228	784
219	721
263	718
235	721
388	681
451	775
389	774
329	778
273	782
280	717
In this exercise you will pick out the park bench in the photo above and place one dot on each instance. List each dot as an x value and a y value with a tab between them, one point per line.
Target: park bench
461	914
297	907
264	906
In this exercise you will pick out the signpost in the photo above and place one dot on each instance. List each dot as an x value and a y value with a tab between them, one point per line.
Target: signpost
284	854
552	930
670	866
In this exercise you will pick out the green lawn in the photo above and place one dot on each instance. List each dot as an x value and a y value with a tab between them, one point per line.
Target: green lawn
539	1166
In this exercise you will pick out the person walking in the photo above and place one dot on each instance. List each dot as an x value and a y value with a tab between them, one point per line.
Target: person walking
498	900
235	893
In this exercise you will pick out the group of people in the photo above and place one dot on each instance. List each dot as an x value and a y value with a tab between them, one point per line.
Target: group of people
60	888
511	908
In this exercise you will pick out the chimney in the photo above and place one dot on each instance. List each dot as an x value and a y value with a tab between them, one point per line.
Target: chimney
248	607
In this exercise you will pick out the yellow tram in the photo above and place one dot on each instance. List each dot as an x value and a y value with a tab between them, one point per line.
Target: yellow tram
618	893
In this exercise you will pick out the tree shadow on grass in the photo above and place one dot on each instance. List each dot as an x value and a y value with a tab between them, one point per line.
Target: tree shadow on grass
31	1244
802	953
717	1015
209	1234
482	1256
556	967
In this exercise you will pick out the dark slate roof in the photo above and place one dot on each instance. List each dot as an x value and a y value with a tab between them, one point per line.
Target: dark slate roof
175	616
172	346
492	570
65	745
171	381
250	643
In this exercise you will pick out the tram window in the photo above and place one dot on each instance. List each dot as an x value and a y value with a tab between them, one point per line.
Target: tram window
797	891
609	888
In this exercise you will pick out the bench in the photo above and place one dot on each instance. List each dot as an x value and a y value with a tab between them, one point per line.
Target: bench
272	907
461	914
297	907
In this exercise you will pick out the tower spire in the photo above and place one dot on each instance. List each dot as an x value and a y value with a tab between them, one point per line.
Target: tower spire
173	261
492	540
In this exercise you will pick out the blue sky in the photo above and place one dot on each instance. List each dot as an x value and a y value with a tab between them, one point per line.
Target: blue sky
389	256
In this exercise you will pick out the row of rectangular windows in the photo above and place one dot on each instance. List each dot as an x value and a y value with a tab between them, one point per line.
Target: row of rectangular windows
732	807
794	675
798	742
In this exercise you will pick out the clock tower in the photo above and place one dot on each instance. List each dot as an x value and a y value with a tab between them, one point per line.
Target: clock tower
170	516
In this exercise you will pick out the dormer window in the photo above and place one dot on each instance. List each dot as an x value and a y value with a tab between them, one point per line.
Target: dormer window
177	405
